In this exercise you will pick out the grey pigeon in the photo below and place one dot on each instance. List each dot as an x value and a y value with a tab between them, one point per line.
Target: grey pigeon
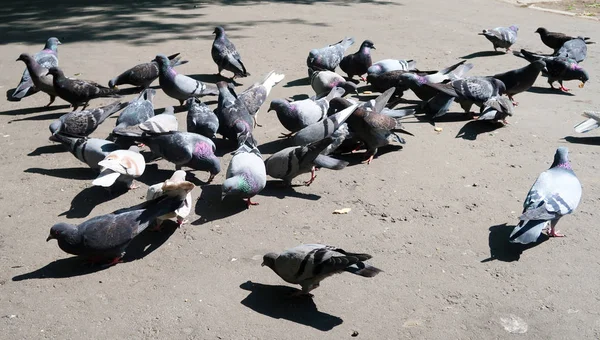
555	193
416	81
466	91
235	122
503	37
358	63
589	124
299	114
555	40
122	166
83	123
254	96
559	69
323	82
105	238
573	49
328	57
162	189
180	86
142	75
226	56
325	128
201	119
46	58
246	175
76	91
309	264
497	108
296	160
88	150
138	111
387	65
521	79
38	74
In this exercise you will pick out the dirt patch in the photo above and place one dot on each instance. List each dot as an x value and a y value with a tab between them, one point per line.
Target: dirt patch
588	8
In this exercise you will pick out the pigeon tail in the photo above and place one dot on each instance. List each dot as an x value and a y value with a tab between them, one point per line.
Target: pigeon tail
460	71
363	269
106	178
451	68
331	163
271	80
347	42
438	105
590	124
527	231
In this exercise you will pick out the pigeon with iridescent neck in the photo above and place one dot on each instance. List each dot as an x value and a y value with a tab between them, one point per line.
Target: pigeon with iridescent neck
555	193
558	69
328	57
142	75
201	119
46	58
358	63
226	56
235	121
246	175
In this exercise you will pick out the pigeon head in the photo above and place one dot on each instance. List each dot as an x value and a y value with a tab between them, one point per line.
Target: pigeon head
561	158
514	28
219	31
235	185
162	60
367	44
349	87
24	57
63	232
52	44
56	72
374	69
539	64
412	78
269	260
112	83
498	84
541	31
583	76
277	104
55	126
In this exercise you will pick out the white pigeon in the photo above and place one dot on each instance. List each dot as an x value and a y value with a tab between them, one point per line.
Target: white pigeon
159	189
121	165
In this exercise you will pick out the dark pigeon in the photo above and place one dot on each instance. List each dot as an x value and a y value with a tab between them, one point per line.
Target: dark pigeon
254	96
201	119
521	79
90	151
143	75
226	56
573	49
559	69
235	122
502	37
384	81
105	238
358	63
555	40
83	123
76	91
416	81
309	264
47	58
42	81
497	108
328	57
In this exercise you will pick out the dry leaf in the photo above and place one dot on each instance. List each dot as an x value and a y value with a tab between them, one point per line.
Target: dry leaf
342	211
438	129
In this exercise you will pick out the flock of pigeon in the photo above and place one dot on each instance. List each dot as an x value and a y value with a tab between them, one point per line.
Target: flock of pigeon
323	125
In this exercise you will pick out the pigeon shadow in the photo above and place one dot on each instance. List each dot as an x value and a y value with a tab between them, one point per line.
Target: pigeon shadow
210	207
30	110
274	146
141	246
357	158
548	90
224	146
275	302
46	149
87	199
449	117
297	97
213	78
298	82
472	129
278	189
502	249
153	175
80	174
483	54
47	116
583	140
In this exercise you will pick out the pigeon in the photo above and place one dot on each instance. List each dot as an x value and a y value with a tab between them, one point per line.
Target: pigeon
76	91
466	91
143	75
556	40
296	160
503	37
555	193
201	119
39	76
226	56
387	65
138	111
299	114
497	108
46	58
328	57
162	123
358	63
416	81
521	79
105	238
325	128
590	124
235	122
90	151
309	264
371	127
559	69
323	81
246	174
255	95
83	123
157	190
573	49
121	165
180	86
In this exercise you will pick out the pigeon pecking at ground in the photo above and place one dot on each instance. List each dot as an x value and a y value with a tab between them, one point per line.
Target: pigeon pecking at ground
521	79
501	37
309	264
226	56
201	119
142	75
558	69
235	122
416	81
555	193
76	91
246	175
88	150
324	81
83	123
46	58
122	166
159	190
497	108
358	63
39	76
328	57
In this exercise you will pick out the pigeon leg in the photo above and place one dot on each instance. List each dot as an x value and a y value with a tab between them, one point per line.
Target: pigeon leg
370	159
52	98
256	121
312	177
210	178
133	186
157	227
363	78
286	135
562	87
115	261
181	221
249	203
85	105
553	232
505	122
515	103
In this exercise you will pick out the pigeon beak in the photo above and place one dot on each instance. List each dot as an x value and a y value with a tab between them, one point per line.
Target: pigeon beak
373	48
581	85
58	42
50	237
262	264
223	194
